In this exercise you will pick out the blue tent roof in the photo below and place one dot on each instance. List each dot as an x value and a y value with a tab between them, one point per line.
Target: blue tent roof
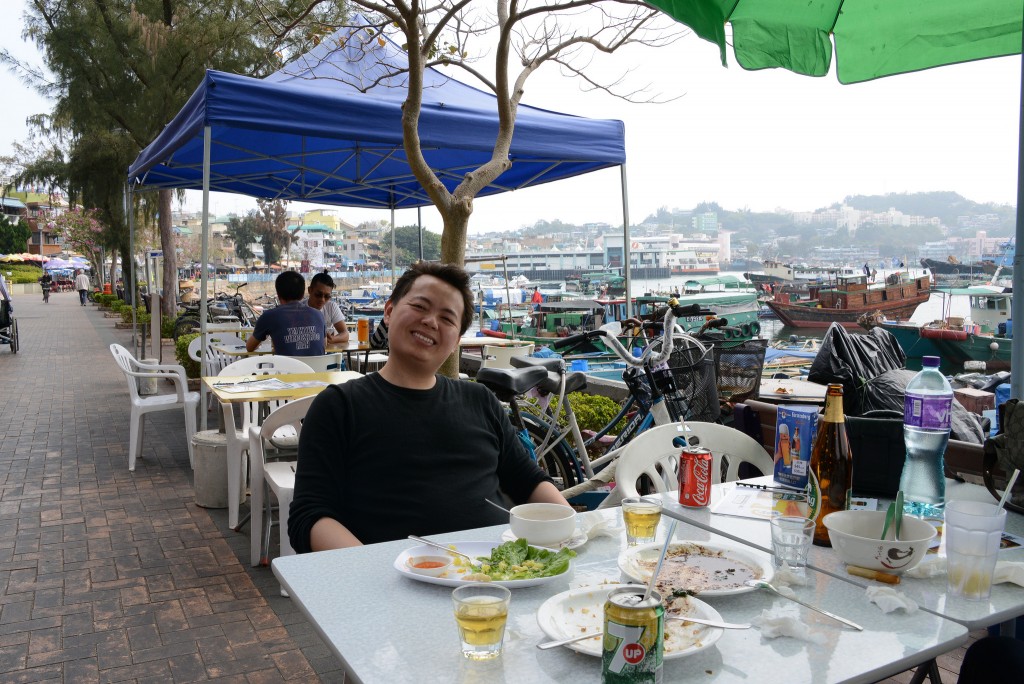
307	132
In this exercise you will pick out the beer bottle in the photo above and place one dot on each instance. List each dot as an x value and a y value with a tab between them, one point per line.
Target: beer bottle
830	480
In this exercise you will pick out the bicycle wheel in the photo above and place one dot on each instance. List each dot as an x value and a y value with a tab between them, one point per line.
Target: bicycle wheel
185	325
14	337
560	463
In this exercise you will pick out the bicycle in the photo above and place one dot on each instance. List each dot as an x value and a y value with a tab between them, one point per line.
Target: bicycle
657	395
224	308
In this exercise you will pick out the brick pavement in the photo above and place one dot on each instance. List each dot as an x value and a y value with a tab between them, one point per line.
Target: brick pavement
110	576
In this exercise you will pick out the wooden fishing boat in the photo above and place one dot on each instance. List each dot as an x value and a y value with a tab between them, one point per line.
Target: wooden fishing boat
849	298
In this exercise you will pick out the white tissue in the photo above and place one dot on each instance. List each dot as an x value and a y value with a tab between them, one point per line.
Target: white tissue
1009	571
596	525
888	599
774	626
787	576
930	566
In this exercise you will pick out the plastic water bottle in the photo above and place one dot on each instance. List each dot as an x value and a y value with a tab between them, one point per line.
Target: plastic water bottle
926	415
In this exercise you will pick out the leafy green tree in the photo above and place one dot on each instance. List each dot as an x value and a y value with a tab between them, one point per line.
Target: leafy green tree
244	232
407	248
270	222
13	236
123	68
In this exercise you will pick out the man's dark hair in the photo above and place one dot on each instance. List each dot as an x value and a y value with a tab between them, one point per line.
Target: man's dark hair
290	286
449	273
322	279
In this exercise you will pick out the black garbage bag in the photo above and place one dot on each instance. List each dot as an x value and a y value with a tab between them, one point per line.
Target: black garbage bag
852	360
887	391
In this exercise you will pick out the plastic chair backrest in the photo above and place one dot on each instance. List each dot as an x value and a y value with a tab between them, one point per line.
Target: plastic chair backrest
652	454
267	364
500	357
127	363
320	364
292	413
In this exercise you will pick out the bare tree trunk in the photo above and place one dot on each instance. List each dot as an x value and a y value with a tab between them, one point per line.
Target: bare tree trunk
453	251
168	302
112	278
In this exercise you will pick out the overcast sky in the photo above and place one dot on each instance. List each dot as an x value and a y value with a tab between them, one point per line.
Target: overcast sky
757	140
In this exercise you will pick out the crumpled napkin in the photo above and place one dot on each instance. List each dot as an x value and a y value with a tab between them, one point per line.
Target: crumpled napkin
930	566
595	525
786	576
1009	571
775	625
1006	571
888	599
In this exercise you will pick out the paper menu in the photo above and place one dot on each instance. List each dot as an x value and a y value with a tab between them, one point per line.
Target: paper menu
759	503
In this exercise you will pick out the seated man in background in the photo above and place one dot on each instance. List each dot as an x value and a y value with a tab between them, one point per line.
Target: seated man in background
294	328
404	450
320	289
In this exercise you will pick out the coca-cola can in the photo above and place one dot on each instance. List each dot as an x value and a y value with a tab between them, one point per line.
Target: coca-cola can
695	477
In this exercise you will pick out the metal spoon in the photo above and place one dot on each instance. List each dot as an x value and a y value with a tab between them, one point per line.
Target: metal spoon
497	505
581	637
442	547
761	584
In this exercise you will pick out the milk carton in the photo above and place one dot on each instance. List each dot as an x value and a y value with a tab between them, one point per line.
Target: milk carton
795	428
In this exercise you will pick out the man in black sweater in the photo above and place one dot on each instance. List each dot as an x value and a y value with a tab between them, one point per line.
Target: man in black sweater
406	451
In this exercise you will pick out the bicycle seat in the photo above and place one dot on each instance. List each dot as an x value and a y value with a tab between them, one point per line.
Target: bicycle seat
574	382
553	364
507	383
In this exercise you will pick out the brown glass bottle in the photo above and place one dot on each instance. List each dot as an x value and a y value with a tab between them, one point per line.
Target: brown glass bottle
830	480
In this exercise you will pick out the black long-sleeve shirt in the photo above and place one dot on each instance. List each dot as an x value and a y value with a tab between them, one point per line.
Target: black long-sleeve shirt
387	461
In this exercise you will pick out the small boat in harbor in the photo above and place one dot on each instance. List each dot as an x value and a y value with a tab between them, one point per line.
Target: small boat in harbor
985	335
849	298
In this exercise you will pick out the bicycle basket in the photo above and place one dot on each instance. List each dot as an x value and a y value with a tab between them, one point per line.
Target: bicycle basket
688	383
738	370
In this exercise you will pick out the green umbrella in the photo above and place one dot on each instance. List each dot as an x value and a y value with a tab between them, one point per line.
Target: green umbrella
872	38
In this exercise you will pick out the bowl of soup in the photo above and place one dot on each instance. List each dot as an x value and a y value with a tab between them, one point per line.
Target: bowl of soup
543	524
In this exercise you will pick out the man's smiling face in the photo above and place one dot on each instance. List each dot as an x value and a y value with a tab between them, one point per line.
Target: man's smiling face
424	326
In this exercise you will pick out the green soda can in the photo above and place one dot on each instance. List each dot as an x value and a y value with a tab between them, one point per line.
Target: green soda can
634	637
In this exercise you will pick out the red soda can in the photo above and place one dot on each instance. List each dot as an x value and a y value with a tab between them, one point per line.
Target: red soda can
695	477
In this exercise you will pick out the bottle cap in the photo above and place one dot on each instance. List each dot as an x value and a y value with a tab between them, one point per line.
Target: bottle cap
930	361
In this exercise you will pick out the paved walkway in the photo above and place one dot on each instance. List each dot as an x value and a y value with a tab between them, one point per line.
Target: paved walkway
110	576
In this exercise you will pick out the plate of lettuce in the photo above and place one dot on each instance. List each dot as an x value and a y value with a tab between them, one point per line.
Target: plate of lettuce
511	564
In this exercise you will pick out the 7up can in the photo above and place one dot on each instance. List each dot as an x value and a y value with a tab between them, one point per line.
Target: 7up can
634	637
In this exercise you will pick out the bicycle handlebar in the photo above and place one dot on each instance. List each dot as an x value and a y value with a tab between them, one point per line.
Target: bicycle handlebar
671	312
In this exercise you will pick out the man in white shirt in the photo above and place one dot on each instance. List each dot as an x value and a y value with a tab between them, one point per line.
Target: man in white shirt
82	284
320	289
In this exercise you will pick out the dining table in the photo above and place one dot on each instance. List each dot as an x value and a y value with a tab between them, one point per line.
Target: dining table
232	389
385	626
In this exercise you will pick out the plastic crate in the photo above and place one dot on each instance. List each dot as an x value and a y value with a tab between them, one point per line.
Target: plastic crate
738	370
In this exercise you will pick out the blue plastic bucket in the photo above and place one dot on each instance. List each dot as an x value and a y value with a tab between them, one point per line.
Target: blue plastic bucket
579	365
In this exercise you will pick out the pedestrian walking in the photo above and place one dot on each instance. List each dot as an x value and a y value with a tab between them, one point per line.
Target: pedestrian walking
46	284
82	285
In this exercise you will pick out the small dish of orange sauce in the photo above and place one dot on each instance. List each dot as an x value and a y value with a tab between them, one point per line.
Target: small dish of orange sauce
432	566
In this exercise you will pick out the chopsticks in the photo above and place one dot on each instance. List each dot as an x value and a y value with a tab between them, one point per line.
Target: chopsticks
768	488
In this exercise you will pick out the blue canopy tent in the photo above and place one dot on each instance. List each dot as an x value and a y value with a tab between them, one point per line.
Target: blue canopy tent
327	128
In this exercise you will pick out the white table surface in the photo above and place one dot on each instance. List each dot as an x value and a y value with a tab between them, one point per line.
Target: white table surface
387	628
1005	603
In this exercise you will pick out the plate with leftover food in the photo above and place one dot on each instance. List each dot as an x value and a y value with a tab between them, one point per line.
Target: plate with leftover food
703	568
511	564
579	611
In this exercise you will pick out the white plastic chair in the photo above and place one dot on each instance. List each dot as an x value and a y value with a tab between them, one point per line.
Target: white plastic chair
238	437
501	357
187	401
279	476
652	453
322	363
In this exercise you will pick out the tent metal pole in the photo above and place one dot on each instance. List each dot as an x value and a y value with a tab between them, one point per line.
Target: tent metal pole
129	289
419	229
392	246
204	308
625	241
1017	303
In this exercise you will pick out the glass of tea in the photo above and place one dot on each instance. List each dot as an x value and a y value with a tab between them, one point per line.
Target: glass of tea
641	514
481	611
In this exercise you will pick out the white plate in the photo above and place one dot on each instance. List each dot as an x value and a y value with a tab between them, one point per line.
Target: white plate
638	562
472	549
578	611
578	539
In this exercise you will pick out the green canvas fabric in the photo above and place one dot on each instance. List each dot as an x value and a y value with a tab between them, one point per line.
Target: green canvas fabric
873	38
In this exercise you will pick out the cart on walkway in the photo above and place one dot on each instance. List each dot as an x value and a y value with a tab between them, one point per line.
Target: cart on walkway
8	326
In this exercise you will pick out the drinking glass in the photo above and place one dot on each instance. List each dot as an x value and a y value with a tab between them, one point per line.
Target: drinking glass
791	539
481	611
973	530
641	516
